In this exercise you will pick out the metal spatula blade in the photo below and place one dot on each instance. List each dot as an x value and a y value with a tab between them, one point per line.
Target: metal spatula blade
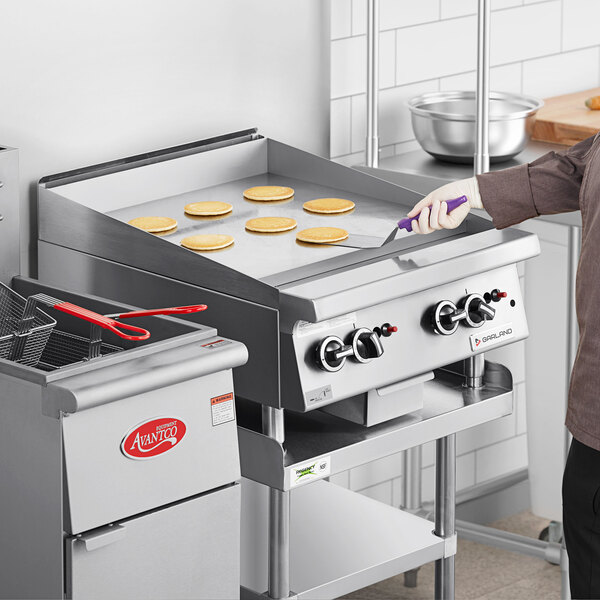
355	240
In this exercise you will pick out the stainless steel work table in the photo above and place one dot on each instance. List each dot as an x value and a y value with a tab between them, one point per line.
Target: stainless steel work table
390	541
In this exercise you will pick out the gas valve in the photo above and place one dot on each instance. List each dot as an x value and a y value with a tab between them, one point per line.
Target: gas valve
332	353
366	345
477	311
446	316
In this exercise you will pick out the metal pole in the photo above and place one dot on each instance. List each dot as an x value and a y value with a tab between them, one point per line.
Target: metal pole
279	544
474	371
411	479
373	83
411	496
445	512
279	516
573	343
482	156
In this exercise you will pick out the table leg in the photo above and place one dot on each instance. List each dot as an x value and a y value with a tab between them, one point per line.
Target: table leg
445	513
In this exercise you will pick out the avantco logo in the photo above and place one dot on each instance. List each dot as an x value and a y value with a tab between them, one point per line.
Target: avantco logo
491	336
152	438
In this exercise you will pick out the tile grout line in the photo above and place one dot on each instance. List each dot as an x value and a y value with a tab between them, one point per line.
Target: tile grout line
522	62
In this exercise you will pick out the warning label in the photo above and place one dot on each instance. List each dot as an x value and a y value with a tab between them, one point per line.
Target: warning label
222	409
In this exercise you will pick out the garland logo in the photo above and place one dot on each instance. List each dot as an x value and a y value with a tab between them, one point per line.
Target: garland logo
153	437
492	336
311	471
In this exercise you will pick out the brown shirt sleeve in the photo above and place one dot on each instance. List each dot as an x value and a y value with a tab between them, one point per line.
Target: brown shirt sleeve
547	186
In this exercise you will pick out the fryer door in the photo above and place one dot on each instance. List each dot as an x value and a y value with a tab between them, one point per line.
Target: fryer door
189	550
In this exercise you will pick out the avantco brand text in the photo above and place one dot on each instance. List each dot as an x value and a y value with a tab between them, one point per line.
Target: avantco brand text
153	437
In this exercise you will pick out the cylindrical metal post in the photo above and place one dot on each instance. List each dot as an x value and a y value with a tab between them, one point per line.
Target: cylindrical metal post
372	158
474	371
273	423
279	515
411	479
445	512
482	156
411	495
279	544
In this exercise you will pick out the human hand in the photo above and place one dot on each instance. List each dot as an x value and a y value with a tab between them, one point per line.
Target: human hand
434	207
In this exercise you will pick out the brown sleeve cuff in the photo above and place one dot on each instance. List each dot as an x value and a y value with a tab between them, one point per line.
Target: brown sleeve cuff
506	195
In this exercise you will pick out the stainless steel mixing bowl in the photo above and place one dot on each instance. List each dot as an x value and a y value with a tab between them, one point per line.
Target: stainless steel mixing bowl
444	124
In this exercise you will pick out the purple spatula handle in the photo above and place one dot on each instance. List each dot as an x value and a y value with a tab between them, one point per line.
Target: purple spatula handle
452	204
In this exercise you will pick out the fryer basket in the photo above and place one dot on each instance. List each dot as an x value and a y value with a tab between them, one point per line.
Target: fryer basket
65	349
21	340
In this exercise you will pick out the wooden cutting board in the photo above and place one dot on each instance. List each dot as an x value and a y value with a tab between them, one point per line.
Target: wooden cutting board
566	119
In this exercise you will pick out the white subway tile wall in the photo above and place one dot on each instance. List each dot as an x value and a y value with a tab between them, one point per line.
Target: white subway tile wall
542	48
539	47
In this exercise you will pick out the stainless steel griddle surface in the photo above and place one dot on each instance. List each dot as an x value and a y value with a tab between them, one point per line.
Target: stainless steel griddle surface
262	255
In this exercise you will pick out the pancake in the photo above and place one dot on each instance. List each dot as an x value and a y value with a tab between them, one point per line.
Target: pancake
271	224
328	206
207	209
322	235
210	241
154	224
268	193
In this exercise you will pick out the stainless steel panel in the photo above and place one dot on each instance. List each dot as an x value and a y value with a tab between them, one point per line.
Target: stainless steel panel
372	541
255	325
448	407
96	469
320	298
156	372
9	214
413	350
31	497
186	551
99	235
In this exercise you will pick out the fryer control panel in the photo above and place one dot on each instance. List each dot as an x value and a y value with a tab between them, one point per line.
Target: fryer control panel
403	338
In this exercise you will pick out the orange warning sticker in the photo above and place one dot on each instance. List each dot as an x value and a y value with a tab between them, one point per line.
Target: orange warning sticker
222	409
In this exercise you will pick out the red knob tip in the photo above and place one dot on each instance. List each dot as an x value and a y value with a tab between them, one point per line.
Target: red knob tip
392	329
502	294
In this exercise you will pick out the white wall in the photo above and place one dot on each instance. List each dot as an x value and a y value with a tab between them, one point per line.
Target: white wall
84	82
543	48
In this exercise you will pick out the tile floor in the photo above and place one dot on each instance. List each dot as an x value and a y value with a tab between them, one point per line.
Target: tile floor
483	573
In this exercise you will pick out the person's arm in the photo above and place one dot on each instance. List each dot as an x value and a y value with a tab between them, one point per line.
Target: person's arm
549	185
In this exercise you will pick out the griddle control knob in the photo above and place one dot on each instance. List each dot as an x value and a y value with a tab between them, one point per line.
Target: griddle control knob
446	316
477	310
366	345
332	353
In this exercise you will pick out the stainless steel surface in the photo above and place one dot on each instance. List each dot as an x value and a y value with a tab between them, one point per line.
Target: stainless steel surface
482	147
382	404
279	544
574	242
260	255
372	115
411	479
91	441
371	541
475	371
187	551
9	210
445	509
444	124
78	449
448	407
31	532
509	541
273	423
